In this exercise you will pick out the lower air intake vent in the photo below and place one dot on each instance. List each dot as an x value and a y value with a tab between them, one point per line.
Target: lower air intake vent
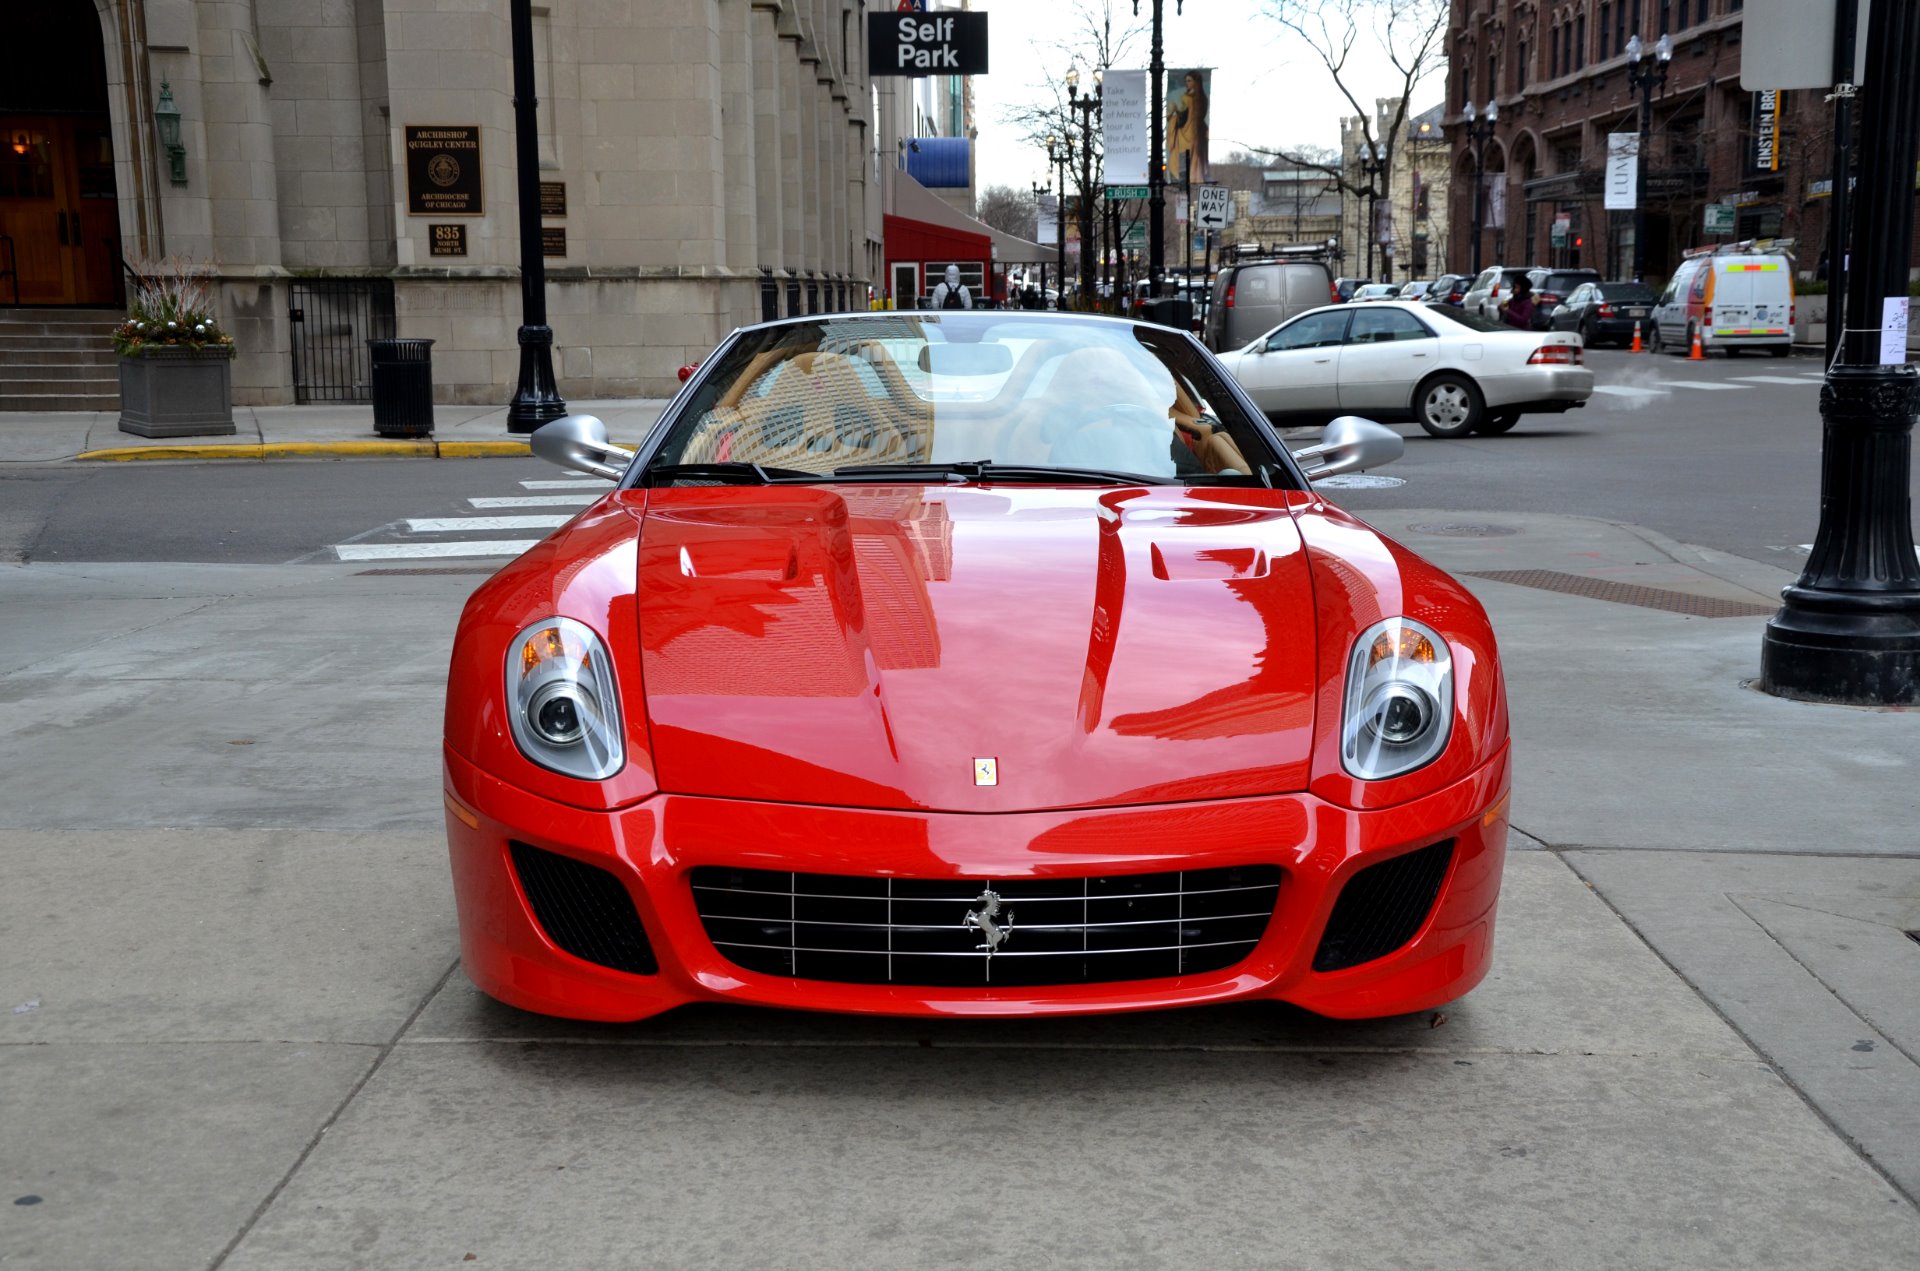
1382	907
584	910
978	932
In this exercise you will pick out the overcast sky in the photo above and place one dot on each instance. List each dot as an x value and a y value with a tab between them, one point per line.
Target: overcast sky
1269	89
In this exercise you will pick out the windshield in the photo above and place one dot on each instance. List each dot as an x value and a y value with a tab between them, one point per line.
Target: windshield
1463	318
1631	292
828	397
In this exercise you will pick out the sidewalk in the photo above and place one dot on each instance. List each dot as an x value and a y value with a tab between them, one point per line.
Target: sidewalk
1697	1046
299	432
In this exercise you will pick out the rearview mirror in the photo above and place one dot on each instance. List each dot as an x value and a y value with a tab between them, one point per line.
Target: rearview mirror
580	442
966	359
1349	444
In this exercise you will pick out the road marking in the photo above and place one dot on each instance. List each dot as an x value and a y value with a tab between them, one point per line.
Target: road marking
1794	380
460	524
1704	387
411	551
533	500
575	483
1627	390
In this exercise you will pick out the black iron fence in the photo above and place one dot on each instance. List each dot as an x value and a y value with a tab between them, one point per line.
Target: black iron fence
332	320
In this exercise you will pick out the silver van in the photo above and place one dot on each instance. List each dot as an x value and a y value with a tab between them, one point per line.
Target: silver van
1251	298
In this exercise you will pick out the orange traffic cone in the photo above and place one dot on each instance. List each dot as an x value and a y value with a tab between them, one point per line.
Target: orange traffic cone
1636	336
1696	355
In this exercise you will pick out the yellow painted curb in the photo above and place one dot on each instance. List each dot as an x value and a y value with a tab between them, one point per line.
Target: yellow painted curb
315	449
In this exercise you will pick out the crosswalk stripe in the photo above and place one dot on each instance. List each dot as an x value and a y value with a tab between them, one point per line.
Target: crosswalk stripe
574	483
411	551
1795	380
1707	388
460	524
533	500
1627	390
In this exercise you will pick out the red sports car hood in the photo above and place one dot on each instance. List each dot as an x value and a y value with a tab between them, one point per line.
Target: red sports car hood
975	650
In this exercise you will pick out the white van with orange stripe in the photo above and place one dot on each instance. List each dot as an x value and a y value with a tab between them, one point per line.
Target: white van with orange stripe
1734	297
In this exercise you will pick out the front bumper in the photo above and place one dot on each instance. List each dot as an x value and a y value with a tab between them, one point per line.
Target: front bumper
653	847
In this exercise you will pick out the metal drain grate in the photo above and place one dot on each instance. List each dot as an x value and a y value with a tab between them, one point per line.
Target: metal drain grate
419	571
1628	593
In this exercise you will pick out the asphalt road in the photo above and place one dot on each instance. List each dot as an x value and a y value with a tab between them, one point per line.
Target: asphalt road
1724	454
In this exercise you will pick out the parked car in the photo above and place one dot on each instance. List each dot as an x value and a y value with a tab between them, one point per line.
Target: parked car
855	692
1419	289
1449	370
1450	289
1252	296
1343	288
1605	311
1493	288
1377	291
1735	298
1551	287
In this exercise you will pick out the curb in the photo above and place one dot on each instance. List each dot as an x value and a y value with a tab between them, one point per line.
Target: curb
316	450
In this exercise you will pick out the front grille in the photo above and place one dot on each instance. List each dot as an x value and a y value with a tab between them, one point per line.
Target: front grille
584	909
856	930
1382	907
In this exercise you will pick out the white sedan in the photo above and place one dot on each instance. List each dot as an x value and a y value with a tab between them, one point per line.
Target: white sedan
1451	372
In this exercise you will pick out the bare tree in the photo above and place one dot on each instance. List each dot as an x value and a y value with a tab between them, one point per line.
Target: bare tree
1006	209
1409	32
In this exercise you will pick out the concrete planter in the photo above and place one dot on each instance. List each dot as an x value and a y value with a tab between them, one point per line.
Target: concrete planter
178	393
1812	325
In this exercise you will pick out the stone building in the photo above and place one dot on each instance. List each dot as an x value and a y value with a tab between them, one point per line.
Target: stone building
1410	216
1559	74
348	168
1292	206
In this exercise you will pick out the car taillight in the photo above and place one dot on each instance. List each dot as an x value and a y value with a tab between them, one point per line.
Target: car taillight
1793	314
1606	311
1333	293
1557	355
1228	302
1548	298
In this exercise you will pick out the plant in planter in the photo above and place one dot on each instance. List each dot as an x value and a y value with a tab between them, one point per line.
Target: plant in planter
176	363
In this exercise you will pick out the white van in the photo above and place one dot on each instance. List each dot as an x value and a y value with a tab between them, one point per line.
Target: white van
1735	298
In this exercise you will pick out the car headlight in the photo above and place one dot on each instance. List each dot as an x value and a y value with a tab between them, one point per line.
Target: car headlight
562	702
1399	706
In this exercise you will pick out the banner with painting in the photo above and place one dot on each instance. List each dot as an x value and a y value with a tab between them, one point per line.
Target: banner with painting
1189	96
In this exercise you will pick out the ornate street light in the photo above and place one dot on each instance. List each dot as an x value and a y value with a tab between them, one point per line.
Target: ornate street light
1088	106
166	121
1057	156
1039	189
1373	165
1645	76
1156	172
1479	132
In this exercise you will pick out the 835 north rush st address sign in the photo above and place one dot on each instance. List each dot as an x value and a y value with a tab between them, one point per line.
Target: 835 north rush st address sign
919	43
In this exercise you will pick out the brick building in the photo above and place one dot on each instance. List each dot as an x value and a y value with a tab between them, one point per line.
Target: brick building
1559	74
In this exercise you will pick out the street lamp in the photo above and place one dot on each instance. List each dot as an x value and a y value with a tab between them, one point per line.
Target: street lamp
1156	171
1088	106
1373	165
1057	156
537	399
1479	132
166	119
1645	76
1038	190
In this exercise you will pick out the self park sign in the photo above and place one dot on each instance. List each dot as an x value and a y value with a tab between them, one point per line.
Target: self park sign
914	42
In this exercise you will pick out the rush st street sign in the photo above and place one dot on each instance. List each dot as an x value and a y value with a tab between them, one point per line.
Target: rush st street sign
920	43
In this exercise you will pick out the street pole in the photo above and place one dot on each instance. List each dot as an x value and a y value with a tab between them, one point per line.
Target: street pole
1088	107
537	399
1186	231
1478	132
1644	76
1850	629
1060	216
1840	203
1156	169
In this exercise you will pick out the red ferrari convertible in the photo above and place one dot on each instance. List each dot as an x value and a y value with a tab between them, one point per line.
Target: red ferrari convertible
972	664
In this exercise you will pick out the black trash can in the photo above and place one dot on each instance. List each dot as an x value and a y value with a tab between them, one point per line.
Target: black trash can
402	387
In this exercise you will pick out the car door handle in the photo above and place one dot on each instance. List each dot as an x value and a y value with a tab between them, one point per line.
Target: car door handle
1322	361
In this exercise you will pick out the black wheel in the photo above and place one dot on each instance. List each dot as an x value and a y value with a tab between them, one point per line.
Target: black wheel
1448	405
1781	350
1497	422
1733	352
1586	334
1653	340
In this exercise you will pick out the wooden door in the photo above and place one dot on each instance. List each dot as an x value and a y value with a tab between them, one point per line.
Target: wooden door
59	217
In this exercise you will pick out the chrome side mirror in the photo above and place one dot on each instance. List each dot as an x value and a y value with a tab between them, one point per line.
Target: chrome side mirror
580	442
1349	444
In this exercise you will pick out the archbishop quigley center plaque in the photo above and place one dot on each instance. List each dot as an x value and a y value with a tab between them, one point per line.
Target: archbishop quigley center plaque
443	170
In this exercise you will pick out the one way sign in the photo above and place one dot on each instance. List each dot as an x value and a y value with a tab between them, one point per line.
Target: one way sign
1210	207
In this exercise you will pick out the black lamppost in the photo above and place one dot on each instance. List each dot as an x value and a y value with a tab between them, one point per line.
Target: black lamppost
1039	190
1645	76
1088	106
1850	629
1057	156
1479	132
1373	165
537	399
1156	171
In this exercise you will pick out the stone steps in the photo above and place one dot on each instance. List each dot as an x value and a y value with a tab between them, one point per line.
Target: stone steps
58	359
